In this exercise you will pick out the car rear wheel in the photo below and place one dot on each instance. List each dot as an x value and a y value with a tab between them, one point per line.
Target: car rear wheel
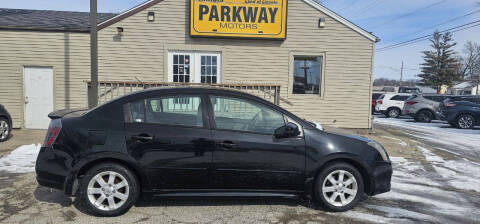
393	113
425	116
4	129
465	121
339	187
108	189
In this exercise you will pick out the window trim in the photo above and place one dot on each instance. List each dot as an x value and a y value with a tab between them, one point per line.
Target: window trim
205	110
211	114
291	70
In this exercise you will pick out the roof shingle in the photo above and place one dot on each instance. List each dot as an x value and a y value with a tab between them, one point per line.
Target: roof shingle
48	20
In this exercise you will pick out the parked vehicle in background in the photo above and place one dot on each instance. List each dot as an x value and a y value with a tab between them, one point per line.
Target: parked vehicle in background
423	107
375	97
5	124
391	104
461	111
410	90
203	142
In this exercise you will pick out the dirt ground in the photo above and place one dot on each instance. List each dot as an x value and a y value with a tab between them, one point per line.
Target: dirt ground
22	201
21	137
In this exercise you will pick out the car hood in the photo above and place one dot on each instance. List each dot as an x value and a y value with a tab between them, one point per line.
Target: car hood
353	137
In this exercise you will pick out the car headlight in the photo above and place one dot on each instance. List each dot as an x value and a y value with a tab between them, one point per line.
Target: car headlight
380	150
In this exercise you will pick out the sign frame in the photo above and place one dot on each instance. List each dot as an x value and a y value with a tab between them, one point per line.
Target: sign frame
258	36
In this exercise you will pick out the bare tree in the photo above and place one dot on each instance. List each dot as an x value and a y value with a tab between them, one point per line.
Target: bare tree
470	68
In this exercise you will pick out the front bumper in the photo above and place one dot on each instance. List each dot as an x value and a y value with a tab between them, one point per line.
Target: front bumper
52	168
380	181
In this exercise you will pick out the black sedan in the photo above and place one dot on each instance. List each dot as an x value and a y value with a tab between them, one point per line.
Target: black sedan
5	124
203	142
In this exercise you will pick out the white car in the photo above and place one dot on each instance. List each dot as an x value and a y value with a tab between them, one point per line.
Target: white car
391	104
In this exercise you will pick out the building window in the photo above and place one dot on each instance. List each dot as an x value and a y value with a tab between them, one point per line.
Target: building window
307	75
181	68
194	67
209	69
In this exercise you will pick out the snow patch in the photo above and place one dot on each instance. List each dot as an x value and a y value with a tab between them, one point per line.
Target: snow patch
20	160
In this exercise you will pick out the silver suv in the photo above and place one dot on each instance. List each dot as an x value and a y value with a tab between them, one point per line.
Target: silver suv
423	107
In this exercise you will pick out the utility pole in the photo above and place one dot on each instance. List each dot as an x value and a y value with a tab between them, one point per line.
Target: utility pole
401	75
93	91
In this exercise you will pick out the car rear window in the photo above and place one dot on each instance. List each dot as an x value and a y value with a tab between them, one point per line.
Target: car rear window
400	98
376	96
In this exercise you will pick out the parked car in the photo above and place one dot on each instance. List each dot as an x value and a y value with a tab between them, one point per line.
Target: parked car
409	90
461	111
203	142
375	97
5	124
391	104
423	107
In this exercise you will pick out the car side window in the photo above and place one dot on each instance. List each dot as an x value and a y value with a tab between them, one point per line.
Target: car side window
170	110
242	115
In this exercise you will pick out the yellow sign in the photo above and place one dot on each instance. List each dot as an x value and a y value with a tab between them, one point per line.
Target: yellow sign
239	18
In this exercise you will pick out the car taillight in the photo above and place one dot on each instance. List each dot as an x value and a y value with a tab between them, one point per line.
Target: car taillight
450	104
52	133
411	102
379	101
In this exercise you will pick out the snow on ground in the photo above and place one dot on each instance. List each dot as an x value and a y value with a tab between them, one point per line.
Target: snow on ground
460	174
20	160
438	132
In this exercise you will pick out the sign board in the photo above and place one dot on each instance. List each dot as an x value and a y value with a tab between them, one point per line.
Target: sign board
262	19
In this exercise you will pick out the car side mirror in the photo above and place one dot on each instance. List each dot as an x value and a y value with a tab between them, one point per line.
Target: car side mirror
287	131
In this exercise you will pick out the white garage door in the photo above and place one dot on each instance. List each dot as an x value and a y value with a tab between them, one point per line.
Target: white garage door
38	84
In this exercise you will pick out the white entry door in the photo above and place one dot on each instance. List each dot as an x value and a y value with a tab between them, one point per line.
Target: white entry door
38	84
194	67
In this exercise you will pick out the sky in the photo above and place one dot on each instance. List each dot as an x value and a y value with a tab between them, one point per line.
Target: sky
393	21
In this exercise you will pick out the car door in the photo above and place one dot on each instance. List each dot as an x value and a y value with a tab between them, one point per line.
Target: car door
170	139
247	156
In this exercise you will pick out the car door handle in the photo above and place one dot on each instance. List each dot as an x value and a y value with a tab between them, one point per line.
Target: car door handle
142	138
227	145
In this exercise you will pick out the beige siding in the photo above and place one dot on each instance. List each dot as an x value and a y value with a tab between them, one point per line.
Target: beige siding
141	52
67	53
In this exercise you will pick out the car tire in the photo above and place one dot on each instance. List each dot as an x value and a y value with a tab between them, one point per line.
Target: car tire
107	200
465	121
5	129
393	113
342	195
425	116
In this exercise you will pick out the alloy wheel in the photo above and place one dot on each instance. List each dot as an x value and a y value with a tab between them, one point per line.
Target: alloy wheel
465	122
393	113
339	188
108	191
4	130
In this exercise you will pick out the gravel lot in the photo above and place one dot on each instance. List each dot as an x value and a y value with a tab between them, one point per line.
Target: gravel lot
436	179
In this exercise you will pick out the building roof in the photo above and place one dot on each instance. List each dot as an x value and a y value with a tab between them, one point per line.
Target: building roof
464	85
48	20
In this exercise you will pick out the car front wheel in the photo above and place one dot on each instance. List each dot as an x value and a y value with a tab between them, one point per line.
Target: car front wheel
425	116
393	113
466	121
4	129
108	190
339	187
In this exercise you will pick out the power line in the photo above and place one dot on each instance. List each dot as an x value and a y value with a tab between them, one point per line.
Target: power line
410	13
366	9
442	23
426	37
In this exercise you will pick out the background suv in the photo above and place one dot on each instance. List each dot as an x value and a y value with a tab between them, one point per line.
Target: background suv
5	124
391	104
461	111
423	108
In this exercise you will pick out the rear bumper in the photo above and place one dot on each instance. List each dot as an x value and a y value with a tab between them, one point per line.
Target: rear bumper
380	181
52	169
